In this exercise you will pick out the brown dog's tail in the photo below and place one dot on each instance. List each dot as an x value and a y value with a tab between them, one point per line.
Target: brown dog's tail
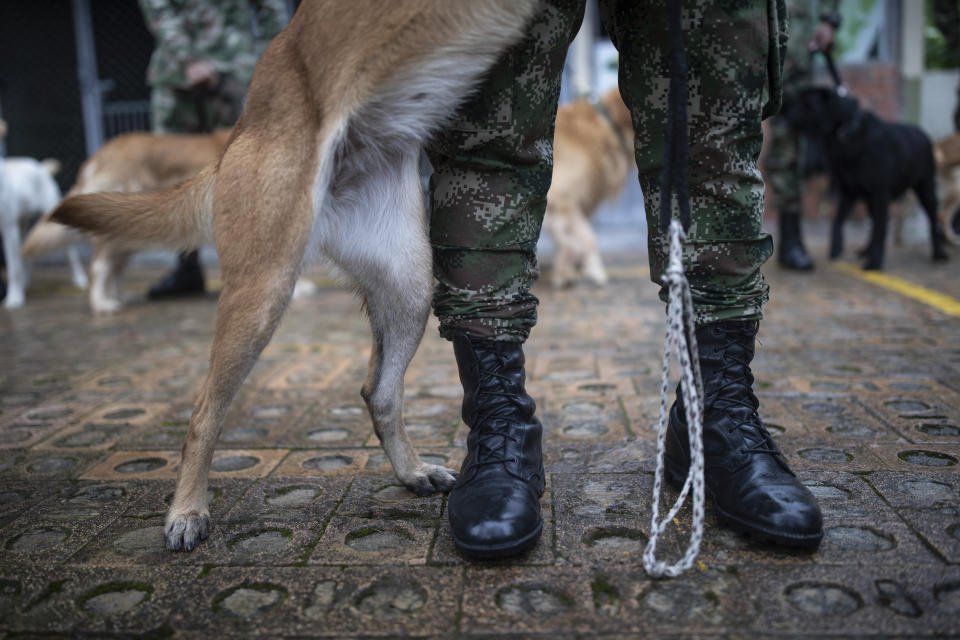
52	165
46	236
178	218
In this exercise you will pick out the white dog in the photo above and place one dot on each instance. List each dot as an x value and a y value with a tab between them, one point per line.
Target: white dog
27	188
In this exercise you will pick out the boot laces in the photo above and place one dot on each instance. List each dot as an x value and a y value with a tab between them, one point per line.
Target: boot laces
735	395
493	423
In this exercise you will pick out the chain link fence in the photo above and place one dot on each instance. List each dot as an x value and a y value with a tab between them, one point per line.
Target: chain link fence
40	95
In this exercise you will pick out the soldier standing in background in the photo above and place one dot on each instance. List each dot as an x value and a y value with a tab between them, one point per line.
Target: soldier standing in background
812	28
205	54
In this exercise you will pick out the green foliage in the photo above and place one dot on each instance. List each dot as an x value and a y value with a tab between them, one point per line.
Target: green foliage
938	52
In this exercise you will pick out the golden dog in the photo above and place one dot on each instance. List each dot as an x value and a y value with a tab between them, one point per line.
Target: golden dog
128	163
592	157
327	148
947	155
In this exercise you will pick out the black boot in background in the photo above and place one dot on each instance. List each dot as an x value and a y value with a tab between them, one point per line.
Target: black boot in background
752	488
791	252
494	508
185	280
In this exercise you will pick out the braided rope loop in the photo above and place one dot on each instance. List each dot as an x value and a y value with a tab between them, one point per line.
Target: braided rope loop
682	340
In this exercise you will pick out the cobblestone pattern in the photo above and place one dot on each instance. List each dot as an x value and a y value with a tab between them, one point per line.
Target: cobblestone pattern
313	536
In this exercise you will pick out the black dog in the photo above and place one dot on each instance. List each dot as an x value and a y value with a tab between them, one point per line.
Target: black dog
869	160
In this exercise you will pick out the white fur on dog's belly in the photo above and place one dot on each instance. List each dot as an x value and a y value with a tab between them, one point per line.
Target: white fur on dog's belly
392	125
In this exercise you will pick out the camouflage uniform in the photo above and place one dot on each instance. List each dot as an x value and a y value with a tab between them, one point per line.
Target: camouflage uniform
784	167
220	32
493	167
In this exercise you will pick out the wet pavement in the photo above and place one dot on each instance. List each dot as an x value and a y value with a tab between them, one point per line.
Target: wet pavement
860	385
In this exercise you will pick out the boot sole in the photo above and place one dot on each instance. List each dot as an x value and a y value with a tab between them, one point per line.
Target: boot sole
504	550
755	532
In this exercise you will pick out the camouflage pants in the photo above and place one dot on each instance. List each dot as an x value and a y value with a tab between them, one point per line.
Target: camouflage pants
784	168
784	157
493	166
175	110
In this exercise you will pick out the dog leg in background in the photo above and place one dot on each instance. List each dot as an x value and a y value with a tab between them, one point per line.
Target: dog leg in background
844	207
592	263
927	194
879	206
107	266
395	277
16	275
77	272
105	269
556	223
117	263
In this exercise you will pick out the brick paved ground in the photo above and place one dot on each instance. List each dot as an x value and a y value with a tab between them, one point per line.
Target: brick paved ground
861	387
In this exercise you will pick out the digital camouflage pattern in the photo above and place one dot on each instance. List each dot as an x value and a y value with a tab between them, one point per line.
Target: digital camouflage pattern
727	51
493	167
229	34
784	168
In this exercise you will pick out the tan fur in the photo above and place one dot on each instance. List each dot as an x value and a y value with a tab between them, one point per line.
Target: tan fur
133	162
947	155
327	145
591	162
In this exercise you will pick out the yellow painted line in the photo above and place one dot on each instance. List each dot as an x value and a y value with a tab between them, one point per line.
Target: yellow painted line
940	301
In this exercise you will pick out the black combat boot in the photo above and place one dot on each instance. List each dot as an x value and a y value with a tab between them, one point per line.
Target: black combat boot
494	508
791	252
185	280
746	476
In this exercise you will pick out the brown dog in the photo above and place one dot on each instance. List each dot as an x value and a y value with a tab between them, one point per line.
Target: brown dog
327	148
129	163
947	155
592	156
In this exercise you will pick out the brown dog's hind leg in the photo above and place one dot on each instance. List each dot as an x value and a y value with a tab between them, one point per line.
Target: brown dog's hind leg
261	225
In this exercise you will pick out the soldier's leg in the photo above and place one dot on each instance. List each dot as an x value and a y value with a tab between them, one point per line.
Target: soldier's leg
785	159
727	48
785	181
492	170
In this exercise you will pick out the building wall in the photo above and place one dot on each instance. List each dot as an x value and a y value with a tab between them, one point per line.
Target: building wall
938	99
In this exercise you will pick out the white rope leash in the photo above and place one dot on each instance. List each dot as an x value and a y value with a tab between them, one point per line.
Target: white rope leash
682	340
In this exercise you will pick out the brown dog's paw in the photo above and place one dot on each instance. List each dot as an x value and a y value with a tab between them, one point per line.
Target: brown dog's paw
185	532
430	479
